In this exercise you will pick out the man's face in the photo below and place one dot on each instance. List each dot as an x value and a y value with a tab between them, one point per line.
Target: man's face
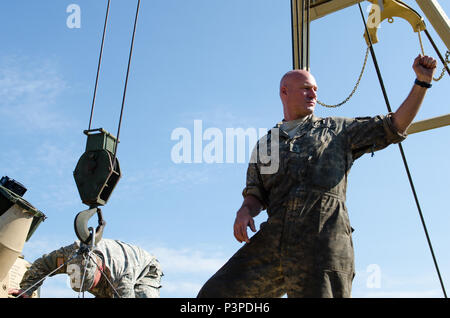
298	91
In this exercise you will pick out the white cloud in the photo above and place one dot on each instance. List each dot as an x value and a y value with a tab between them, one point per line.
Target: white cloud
48	161
183	261
186	269
14	163
434	293
180	289
39	245
397	285
28	92
219	116
61	159
168	176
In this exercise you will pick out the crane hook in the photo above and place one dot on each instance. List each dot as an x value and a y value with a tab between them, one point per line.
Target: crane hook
82	231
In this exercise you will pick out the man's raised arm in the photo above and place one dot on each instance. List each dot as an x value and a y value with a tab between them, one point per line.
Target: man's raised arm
424	67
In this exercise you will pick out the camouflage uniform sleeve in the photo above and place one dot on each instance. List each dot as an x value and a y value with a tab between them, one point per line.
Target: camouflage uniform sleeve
254	185
125	287
46	264
369	134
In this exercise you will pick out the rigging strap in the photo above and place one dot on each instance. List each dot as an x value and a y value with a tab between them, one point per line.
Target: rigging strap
403	154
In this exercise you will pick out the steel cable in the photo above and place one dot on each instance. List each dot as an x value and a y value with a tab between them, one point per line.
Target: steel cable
126	79
99	64
403	155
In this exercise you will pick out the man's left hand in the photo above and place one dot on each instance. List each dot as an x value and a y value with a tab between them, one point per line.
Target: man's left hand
424	67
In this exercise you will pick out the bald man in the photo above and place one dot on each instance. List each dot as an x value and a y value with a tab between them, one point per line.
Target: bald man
305	248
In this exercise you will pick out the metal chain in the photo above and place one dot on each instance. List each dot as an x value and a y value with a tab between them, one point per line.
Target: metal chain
354	88
447	61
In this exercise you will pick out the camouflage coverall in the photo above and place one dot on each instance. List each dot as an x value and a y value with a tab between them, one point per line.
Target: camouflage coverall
133	272
305	247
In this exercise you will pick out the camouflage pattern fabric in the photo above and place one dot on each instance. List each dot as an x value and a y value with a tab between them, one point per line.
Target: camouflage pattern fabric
133	272
305	248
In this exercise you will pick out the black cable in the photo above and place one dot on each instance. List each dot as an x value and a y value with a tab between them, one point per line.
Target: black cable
403	154
126	80
99	63
437	51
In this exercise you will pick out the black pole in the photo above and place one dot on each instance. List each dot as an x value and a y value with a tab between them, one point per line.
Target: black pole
437	51
293	7
403	155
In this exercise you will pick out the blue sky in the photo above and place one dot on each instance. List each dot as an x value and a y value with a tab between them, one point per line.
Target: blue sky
219	62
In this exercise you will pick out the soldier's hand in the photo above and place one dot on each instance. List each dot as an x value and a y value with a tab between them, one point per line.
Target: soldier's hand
243	219
17	292
424	67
